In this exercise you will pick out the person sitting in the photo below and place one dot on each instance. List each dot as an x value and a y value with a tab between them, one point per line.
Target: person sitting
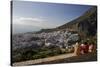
84	48
92	48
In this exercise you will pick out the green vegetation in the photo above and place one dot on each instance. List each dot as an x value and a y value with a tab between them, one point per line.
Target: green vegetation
31	54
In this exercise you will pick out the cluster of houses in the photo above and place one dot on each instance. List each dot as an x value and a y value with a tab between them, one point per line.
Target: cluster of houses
62	39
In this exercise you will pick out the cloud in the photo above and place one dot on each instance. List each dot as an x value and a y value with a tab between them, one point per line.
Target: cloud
31	19
39	22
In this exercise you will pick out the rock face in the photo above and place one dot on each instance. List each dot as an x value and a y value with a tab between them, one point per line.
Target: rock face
85	25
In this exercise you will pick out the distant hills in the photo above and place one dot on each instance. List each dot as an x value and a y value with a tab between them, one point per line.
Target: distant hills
85	25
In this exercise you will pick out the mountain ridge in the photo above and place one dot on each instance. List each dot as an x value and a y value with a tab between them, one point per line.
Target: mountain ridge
85	25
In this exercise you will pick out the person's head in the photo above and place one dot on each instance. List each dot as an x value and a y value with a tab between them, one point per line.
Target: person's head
85	43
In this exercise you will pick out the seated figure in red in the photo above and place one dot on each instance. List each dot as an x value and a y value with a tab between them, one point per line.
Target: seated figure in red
84	48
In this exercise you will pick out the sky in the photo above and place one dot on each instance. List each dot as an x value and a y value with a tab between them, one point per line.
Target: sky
33	16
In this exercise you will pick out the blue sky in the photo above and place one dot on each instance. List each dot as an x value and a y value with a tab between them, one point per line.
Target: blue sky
33	16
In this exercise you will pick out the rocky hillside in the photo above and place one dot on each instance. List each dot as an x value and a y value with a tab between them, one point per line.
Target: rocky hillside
85	24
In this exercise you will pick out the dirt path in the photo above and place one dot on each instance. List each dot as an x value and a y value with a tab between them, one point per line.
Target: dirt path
49	59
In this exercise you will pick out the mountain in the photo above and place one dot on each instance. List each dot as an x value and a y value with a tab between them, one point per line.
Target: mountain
86	24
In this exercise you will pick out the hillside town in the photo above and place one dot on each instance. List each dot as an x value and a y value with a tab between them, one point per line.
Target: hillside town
62	39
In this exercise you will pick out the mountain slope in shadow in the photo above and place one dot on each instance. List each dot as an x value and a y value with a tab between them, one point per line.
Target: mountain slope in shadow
85	25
